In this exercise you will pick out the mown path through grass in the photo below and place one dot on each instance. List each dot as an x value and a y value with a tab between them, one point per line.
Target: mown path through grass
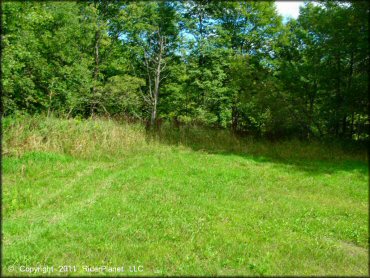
177	211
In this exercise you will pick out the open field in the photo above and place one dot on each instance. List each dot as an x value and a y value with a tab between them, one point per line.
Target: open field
92	193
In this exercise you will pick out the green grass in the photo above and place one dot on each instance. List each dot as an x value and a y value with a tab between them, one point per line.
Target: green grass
191	206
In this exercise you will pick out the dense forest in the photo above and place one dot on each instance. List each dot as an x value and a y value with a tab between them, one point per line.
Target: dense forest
232	65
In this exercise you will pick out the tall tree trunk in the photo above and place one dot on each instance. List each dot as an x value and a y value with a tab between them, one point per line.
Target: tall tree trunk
157	80
156	92
154	114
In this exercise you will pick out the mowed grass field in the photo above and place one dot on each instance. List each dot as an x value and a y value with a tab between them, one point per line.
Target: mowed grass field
98	193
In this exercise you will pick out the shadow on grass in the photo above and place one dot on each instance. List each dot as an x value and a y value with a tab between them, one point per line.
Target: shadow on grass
314	157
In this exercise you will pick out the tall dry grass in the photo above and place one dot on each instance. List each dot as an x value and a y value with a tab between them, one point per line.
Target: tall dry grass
99	138
91	138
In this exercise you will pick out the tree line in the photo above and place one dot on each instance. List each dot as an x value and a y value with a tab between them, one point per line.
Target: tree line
224	64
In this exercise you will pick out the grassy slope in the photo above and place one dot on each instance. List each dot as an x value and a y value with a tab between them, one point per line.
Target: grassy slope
176	210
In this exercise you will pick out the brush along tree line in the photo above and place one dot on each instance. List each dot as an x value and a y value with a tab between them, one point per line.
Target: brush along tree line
233	65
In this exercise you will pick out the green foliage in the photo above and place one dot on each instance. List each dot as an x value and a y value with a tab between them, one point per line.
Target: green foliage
122	95
40	70
227	64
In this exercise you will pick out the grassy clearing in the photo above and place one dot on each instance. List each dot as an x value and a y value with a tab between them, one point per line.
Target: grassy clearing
91	193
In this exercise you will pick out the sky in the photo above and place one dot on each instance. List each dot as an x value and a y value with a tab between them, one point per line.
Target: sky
288	8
